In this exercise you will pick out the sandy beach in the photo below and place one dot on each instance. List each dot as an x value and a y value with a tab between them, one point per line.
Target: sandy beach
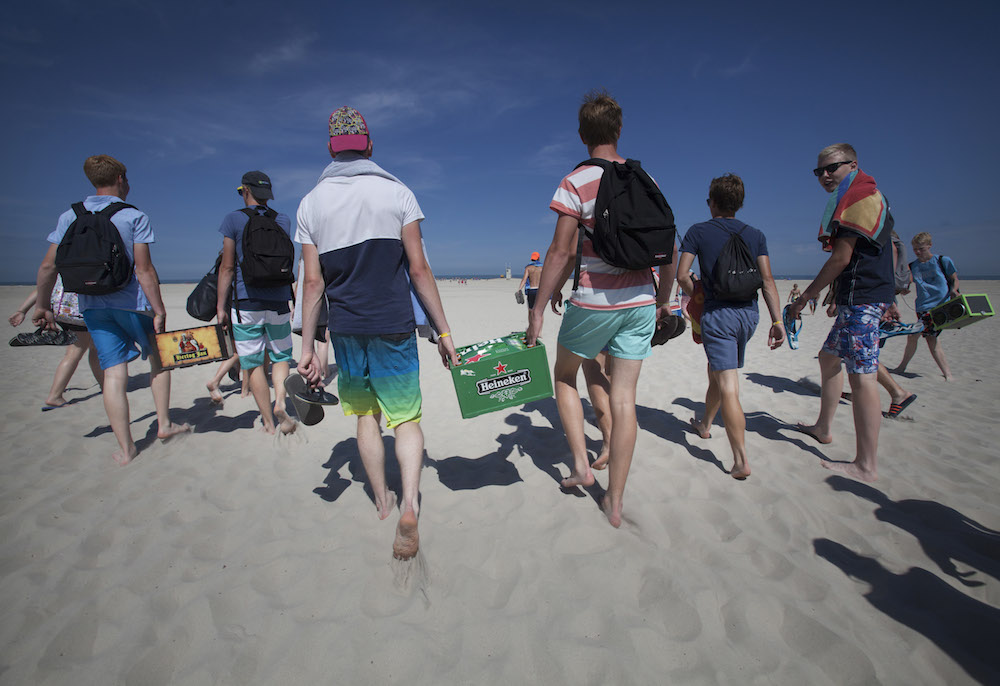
228	556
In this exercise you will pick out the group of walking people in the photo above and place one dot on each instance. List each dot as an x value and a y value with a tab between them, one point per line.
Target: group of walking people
365	282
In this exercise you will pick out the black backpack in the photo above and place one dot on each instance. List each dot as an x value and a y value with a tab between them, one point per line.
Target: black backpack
91	257
735	277
633	224
268	252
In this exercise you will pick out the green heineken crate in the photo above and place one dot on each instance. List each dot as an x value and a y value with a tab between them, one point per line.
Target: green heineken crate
499	373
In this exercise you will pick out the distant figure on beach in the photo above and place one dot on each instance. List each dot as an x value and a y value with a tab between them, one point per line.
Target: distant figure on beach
613	310
530	280
120	323
66	309
260	316
727	326
359	228
856	229
936	279
794	295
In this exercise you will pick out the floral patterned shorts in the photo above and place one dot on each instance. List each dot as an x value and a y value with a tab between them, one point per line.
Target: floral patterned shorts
854	336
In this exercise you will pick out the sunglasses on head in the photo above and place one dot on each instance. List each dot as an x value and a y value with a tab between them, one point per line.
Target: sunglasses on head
830	168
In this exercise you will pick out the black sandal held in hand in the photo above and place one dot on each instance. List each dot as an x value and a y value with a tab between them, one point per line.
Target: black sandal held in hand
43	336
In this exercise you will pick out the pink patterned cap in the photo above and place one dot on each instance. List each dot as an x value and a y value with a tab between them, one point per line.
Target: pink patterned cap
348	130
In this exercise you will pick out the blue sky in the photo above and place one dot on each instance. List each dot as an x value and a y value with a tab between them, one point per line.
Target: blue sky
473	105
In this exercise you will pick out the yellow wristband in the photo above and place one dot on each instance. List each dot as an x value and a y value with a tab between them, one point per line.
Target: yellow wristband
446	333
775	323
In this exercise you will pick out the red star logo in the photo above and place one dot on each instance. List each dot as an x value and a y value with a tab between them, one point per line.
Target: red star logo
500	368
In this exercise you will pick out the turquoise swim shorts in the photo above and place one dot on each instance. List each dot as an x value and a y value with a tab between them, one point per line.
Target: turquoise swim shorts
626	333
379	374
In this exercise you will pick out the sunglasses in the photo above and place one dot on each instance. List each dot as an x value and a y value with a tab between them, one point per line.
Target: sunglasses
830	168
239	191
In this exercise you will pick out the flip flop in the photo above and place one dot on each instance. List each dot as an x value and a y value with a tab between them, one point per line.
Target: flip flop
897	408
309	413
792	328
890	329
47	408
671	327
519	297
43	336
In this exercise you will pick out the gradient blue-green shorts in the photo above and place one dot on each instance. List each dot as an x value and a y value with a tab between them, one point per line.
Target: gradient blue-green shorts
379	374
625	333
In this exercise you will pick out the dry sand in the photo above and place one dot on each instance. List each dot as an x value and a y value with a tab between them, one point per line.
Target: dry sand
231	557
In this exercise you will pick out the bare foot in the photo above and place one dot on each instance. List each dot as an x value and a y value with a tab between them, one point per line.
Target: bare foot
810	430
215	394
286	424
602	460
575	479
699	428
740	473
58	401
163	433
407	539
385	504
122	457
612	512
852	470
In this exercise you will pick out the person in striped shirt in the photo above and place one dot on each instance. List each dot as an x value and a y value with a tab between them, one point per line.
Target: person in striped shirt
613	310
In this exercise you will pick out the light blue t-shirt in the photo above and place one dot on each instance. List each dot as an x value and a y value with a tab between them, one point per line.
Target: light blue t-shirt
134	227
931	282
232	227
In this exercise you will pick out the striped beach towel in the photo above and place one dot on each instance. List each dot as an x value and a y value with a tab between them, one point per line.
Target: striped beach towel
857	205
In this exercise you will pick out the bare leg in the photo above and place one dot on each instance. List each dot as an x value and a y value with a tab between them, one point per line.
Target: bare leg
116	406
279	372
832	386
937	352
323	355
728	381
571	416
897	393
372	451
410	453
624	377
95	362
911	348
262	395
213	384
64	371
598	387
159	383
712	403
867	421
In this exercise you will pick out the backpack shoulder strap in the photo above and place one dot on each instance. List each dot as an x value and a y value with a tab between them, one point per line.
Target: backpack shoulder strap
114	207
594	162
79	209
248	211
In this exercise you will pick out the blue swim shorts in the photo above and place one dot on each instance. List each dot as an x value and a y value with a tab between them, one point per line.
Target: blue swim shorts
379	374
119	335
854	336
725	332
626	333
